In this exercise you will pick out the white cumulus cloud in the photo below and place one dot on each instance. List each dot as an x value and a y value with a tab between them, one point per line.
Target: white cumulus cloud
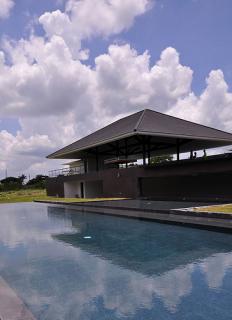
5	8
213	107
84	19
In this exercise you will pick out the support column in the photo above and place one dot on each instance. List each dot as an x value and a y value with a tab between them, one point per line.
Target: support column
144	151
85	165
149	150
117	152
97	159
178	149
117	149
126	151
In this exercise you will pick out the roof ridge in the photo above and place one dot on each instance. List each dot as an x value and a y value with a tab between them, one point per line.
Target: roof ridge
140	120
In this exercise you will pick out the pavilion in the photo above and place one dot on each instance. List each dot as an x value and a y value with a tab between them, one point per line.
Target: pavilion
106	161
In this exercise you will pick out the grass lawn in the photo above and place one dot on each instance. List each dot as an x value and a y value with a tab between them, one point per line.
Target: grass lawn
224	208
35	194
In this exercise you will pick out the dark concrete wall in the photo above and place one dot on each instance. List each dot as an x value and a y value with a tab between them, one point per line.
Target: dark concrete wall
121	183
191	180
93	189
115	182
55	187
208	187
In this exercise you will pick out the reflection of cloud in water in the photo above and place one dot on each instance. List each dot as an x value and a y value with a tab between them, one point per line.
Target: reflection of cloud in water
140	291
61	280
26	225
215	268
173	286
122	291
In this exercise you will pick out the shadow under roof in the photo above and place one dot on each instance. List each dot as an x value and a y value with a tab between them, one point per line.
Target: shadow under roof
150	123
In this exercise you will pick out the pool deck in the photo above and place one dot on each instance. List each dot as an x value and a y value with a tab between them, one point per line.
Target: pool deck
171	212
11	306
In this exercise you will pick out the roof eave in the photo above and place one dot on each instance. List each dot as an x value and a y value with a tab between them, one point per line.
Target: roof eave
58	154
184	136
54	156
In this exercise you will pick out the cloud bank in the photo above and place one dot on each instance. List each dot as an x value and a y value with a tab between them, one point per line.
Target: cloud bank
58	97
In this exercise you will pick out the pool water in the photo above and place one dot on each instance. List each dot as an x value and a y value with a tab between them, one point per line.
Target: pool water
66	264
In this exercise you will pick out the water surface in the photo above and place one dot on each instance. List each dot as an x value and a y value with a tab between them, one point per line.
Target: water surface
66	264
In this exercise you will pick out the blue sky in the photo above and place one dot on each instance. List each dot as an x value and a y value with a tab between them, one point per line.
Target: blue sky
16	26
199	31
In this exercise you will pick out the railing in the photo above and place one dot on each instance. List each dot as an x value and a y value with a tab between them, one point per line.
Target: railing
67	171
76	170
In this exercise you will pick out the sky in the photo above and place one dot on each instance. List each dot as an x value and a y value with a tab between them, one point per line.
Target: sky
69	67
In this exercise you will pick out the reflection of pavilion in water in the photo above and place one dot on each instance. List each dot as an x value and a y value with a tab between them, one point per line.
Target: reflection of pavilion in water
145	247
163	257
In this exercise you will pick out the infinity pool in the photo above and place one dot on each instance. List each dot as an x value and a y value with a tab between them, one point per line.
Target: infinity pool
66	264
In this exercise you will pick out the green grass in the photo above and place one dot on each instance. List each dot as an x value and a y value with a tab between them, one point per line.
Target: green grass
225	208
35	194
22	195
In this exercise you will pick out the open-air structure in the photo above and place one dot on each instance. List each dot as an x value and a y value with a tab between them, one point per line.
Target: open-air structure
117	161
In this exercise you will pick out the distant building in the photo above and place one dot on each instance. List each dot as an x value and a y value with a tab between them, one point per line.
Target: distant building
106	161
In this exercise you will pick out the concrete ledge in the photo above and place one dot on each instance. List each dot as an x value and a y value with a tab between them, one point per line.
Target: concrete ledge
11	306
179	212
209	221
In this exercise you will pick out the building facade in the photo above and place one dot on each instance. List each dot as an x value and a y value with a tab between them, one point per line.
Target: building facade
117	161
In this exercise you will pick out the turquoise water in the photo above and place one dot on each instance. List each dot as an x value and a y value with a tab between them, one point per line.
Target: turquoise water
70	265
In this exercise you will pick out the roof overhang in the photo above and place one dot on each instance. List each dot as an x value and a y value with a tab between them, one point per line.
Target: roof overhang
194	144
158	127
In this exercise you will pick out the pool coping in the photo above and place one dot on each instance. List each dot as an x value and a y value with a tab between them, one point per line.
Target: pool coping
183	216
11	305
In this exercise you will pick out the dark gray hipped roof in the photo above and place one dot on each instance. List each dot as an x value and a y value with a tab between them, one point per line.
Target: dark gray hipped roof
146	122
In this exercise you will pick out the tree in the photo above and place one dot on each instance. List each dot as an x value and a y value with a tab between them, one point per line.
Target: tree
22	178
161	159
10	180
37	182
12	183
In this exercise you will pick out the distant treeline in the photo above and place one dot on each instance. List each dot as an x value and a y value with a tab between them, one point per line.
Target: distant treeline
13	183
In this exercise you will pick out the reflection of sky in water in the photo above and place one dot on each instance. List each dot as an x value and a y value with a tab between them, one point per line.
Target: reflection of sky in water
87	266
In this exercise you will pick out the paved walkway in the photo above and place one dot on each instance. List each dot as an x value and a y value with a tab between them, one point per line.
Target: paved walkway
147	204
161	211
